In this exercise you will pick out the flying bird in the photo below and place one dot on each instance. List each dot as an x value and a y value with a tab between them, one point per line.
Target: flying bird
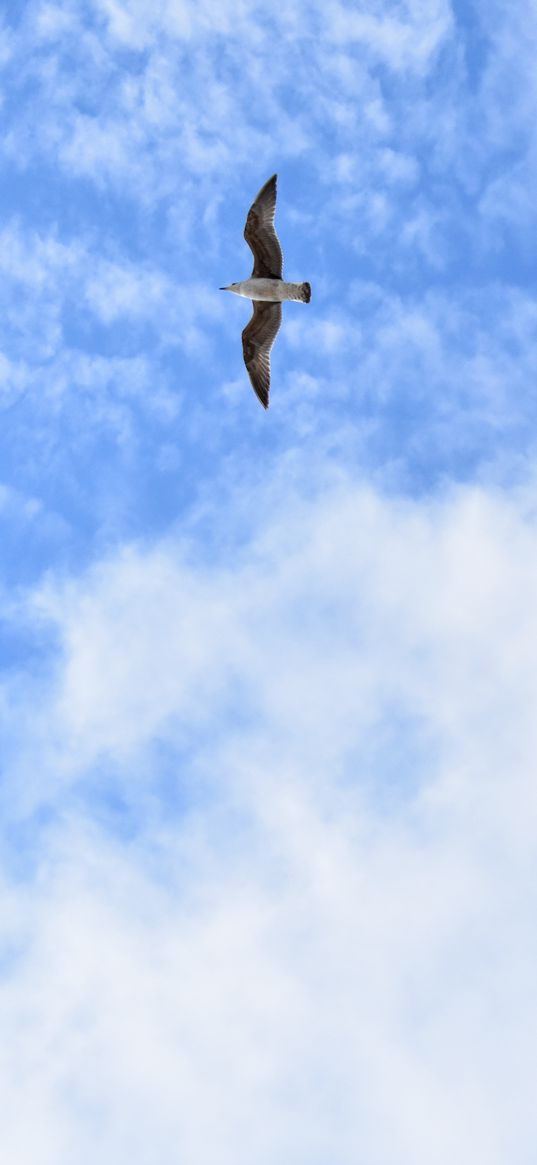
266	288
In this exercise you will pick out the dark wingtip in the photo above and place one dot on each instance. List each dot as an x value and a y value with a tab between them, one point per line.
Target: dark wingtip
306	287
262	396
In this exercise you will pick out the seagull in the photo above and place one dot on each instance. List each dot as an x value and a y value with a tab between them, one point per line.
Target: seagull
265	288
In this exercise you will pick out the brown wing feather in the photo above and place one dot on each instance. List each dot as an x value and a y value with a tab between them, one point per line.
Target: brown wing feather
261	236
257	340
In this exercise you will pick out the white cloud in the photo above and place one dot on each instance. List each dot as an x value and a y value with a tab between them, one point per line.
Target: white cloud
328	948
163	125
407	39
352	611
47	283
190	112
178	106
438	371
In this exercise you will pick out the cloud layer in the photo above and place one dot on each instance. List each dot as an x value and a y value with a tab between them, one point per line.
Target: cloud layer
320	935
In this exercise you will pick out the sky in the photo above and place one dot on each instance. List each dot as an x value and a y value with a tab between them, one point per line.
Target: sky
268	683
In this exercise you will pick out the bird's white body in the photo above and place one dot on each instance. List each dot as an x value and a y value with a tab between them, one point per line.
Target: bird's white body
273	290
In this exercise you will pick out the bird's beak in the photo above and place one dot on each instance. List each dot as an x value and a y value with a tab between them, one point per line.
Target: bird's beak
223	288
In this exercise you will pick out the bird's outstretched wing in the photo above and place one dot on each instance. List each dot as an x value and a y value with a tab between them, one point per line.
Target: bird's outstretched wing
260	234
257	340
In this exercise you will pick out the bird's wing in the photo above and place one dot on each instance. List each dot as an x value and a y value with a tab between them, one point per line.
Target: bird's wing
257	340
260	234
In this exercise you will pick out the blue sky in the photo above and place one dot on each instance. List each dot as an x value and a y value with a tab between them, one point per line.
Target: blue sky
267	685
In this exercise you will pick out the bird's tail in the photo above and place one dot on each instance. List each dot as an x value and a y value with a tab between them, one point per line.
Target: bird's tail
300	291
